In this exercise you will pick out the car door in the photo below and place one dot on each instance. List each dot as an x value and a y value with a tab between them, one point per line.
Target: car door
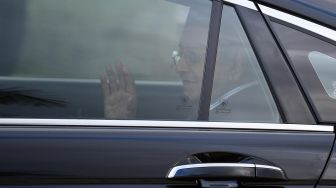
310	49
237	120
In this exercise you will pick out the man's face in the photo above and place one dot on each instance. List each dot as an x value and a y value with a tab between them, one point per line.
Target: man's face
189	65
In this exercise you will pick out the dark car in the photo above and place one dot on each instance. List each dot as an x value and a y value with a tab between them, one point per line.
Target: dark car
167	93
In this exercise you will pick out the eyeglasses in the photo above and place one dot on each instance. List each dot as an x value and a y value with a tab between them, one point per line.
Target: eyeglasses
176	57
192	56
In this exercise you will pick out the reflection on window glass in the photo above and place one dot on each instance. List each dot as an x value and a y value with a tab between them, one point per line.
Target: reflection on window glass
240	92
325	67
102	59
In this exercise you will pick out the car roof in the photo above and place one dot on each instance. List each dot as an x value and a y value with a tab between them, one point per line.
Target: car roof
320	11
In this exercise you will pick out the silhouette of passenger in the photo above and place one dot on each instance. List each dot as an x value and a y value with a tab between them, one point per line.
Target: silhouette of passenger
118	83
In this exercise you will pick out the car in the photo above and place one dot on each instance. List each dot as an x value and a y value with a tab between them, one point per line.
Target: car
167	93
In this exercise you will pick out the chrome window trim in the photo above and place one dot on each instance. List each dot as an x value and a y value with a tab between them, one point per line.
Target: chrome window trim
164	124
243	3
305	24
93	81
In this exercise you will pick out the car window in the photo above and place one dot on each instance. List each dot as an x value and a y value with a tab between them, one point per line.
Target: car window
240	92
325	68
102	59
314	61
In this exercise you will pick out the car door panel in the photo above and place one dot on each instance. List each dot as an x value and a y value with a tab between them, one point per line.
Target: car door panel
137	153
328	178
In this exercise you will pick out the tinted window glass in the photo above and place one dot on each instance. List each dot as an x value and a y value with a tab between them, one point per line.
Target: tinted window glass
102	59
240	92
314	61
325	68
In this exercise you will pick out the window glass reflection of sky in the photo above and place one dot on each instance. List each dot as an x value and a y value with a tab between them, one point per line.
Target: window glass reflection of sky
325	68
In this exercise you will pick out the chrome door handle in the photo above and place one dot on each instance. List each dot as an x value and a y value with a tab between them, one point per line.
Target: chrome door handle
226	170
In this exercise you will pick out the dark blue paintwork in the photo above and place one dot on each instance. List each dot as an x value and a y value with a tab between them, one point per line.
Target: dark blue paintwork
329	175
38	153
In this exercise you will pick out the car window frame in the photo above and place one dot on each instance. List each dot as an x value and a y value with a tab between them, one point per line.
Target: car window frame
292	106
314	105
211	55
207	34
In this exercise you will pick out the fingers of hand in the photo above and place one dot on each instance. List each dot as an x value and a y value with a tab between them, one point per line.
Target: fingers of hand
112	79
120	76
129	81
117	79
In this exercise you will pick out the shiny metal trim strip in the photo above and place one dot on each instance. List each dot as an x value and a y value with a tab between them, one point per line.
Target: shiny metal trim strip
163	124
173	171
93	81
269	167
244	3
311	26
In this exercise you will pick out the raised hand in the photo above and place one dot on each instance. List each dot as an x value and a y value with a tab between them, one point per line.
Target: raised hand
119	93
